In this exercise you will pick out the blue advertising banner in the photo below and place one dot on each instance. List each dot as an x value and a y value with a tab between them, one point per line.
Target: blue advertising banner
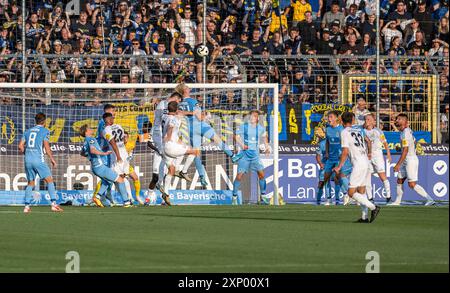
299	177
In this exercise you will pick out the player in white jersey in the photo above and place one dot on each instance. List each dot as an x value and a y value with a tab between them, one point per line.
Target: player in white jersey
378	140
156	144
174	148
353	143
408	165
115	135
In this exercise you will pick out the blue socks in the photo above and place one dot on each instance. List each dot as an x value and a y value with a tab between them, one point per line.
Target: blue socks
236	187
103	189
262	186
319	195
28	194
199	166
344	184
123	191
52	191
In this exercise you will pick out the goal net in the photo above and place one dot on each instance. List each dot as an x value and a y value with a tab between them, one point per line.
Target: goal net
225	108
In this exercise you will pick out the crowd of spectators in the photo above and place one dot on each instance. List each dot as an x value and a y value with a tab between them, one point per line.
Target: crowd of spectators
248	40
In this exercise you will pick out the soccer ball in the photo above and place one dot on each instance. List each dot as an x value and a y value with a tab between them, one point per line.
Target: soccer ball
150	198
202	51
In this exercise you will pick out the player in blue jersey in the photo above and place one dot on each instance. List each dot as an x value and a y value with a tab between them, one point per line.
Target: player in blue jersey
333	154
104	145
95	154
199	128
321	160
33	143
248	137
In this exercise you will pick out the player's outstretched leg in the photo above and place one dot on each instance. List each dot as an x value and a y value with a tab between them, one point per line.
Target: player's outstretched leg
421	191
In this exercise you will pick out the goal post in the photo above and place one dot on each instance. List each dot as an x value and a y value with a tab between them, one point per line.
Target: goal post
63	99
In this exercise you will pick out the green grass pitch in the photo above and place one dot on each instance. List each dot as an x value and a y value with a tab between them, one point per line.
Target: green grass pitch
293	238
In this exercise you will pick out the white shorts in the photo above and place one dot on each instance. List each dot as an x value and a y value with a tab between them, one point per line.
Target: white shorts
360	175
122	167
377	164
175	150
409	169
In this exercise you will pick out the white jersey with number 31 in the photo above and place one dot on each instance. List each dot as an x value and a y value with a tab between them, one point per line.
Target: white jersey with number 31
353	139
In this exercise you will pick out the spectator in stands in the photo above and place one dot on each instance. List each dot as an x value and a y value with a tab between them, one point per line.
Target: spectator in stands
437	48
442	29
336	37
360	111
416	98
299	7
385	103
335	14
400	14
324	46
308	30
389	32
424	17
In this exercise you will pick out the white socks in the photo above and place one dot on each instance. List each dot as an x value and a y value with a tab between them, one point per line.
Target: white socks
364	212
369	191
387	187
167	181
188	163
362	199
419	189
399	193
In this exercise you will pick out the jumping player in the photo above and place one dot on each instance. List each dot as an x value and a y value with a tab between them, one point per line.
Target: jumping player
248	137
93	151
156	144
378	140
32	144
199	128
354	146
408	165
174	148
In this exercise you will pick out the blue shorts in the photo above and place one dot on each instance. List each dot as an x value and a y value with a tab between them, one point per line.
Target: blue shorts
245	164
40	168
330	164
198	130
105	173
